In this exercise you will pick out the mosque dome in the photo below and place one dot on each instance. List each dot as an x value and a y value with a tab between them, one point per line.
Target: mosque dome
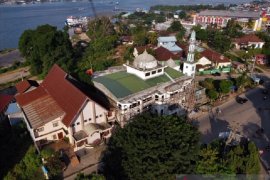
145	61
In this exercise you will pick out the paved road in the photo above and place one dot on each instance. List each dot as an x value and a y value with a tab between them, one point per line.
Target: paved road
9	58
14	75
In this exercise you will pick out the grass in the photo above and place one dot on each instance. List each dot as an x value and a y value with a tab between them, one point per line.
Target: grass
122	84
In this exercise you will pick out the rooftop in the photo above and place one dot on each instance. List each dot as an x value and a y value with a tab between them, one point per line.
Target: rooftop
233	14
122	84
13	108
25	85
61	95
4	101
248	38
214	56
167	39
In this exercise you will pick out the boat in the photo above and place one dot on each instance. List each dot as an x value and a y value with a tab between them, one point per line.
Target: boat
75	21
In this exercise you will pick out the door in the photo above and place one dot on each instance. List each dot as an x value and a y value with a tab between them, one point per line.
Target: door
60	135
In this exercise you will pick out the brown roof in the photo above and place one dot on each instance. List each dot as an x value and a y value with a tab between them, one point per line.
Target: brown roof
141	49
25	85
215	56
247	38
61	90
126	38
4	101
163	54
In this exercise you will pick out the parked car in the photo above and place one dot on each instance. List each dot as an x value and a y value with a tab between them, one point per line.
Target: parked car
216	74
223	135
241	100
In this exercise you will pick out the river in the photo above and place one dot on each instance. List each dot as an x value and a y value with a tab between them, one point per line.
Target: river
14	19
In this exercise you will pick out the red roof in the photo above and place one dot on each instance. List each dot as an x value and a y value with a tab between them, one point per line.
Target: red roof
25	85
141	49
66	95
215	56
4	101
247	38
163	54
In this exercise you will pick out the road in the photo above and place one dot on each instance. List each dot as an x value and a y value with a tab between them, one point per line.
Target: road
14	75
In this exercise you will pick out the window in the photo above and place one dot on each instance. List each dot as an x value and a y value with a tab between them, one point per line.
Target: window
55	124
89	119
96	116
153	72
54	136
78	123
147	74
85	120
193	68
160	70
40	129
100	115
73	125
186	67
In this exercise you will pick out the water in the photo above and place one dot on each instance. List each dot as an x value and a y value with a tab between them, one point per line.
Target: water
14	19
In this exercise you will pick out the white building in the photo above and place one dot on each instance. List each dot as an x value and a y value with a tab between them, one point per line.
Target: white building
189	67
169	42
142	86
57	109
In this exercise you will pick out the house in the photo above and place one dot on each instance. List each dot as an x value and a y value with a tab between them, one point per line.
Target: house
213	59
248	41
26	86
221	17
144	85
261	59
57	108
162	26
169	42
238	66
5	100
14	114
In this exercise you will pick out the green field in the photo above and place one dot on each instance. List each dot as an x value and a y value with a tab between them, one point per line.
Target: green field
122	84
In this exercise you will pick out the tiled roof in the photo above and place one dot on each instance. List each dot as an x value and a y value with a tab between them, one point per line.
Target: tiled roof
172	47
57	87
214	56
4	101
25	85
163	54
247	38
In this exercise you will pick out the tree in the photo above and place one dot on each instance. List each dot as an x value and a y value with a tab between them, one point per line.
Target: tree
152	37
100	27
233	29
225	86
212	94
151	147
44	47
82	176
252	162
140	38
207	83
208	161
201	34
176	26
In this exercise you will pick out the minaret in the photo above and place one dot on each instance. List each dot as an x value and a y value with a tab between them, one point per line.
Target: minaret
190	66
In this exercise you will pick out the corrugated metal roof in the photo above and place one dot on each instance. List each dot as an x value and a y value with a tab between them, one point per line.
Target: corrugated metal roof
42	111
167	39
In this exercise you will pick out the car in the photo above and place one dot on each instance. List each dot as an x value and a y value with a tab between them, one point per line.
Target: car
216	74
241	100
223	135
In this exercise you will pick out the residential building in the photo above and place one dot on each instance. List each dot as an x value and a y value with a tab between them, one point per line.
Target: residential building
126	40
212	59
5	100
221	17
145	85
57	108
261	59
169	42
189	67
248	41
